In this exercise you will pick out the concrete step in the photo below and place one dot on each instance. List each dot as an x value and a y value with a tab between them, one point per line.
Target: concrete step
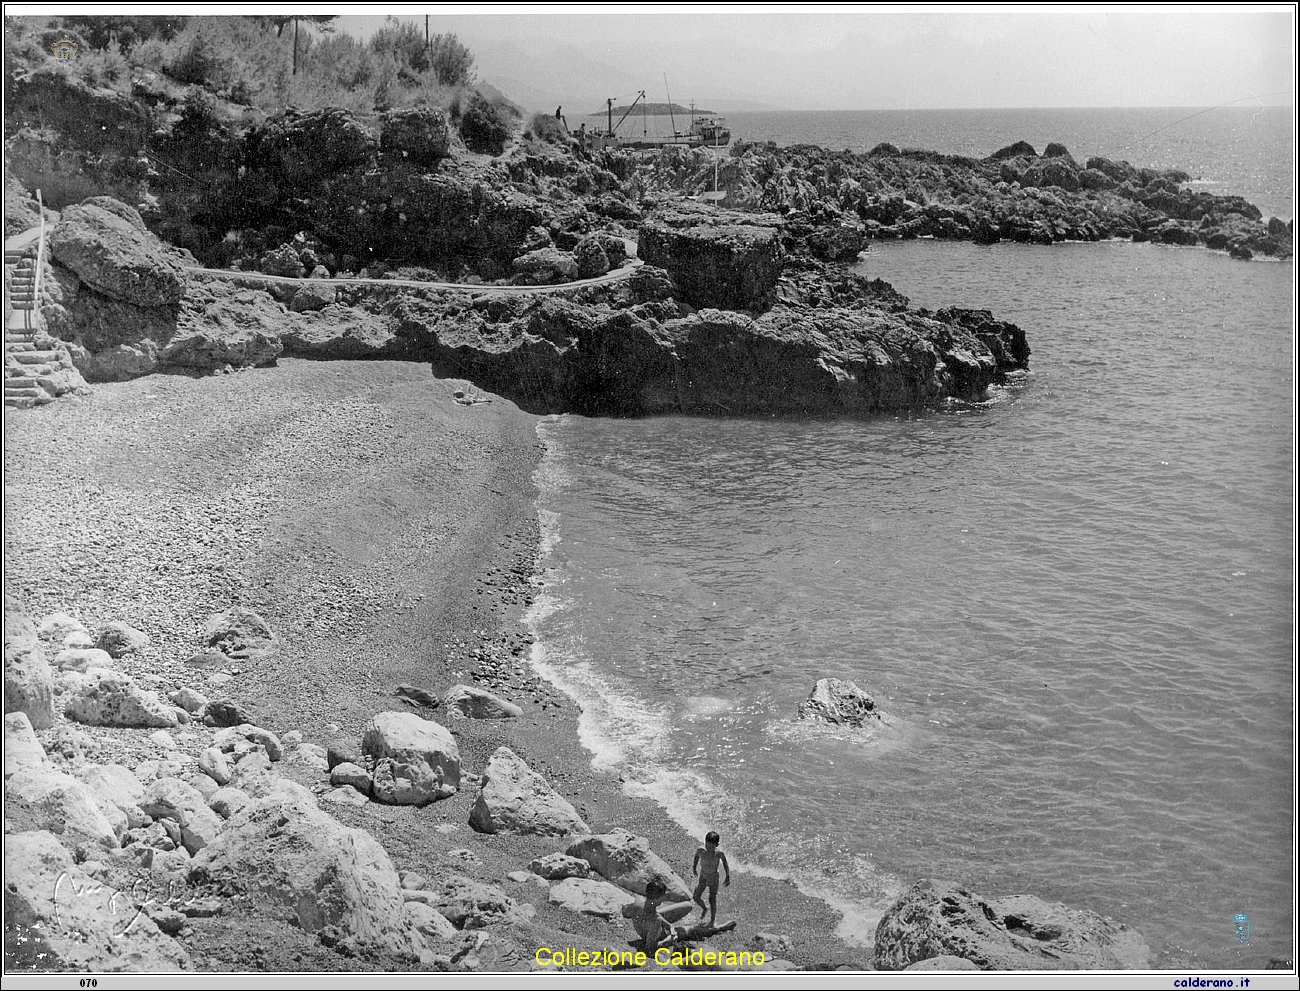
38	357
28	392
21	382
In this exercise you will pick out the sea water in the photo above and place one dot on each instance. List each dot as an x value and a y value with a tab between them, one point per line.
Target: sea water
1073	602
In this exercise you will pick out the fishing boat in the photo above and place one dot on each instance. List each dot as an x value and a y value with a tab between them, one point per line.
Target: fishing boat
705	131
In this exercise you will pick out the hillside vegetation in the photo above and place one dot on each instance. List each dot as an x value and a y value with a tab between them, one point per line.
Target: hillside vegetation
149	85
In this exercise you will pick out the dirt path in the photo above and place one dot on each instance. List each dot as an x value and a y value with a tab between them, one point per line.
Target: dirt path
615	275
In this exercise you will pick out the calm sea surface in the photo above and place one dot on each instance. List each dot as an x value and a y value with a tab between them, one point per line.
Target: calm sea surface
1074	601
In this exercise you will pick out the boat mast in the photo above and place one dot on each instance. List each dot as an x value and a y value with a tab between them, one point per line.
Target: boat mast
671	115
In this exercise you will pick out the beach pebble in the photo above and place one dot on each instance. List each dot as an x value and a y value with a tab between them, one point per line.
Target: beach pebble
772	944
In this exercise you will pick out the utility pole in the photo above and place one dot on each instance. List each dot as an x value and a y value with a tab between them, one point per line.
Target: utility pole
426	32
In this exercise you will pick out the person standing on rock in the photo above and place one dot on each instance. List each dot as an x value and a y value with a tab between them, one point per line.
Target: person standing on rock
559	115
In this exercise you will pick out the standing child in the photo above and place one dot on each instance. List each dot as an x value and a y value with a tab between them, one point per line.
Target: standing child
707	859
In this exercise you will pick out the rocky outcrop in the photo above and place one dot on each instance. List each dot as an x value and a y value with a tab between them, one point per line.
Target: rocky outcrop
627	860
939	918
513	798
415	760
417	135
1015	194
841	702
716	258
107	246
62	919
835	344
304	865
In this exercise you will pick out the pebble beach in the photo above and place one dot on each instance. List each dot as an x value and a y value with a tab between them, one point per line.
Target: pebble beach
385	528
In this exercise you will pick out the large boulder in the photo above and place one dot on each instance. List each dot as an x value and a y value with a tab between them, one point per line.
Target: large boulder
23	752
1059	172
939	918
172	798
111	251
716	258
558	866
591	896
239	632
28	680
416	760
102	697
546	265
418	135
72	922
118	639
469	904
628	861
45	798
302	864
472	702
516	799
116	785
840	702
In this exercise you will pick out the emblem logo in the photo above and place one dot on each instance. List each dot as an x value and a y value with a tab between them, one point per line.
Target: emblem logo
65	50
1241	927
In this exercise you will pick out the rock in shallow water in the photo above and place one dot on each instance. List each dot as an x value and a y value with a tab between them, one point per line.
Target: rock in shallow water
840	702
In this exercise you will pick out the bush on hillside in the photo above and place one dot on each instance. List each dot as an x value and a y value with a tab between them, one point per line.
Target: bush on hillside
484	127
544	127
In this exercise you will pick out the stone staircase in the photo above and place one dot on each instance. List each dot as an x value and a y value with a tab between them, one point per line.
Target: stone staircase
38	367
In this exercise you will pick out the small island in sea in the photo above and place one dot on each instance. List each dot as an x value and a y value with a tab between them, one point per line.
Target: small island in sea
274	379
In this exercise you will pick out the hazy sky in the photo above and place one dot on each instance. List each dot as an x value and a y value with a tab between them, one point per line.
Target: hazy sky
847	57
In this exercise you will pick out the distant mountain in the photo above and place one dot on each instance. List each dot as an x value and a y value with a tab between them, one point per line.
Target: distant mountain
654	110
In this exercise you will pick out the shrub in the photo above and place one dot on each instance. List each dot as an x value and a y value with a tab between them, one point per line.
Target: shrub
483	127
198	62
546	128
